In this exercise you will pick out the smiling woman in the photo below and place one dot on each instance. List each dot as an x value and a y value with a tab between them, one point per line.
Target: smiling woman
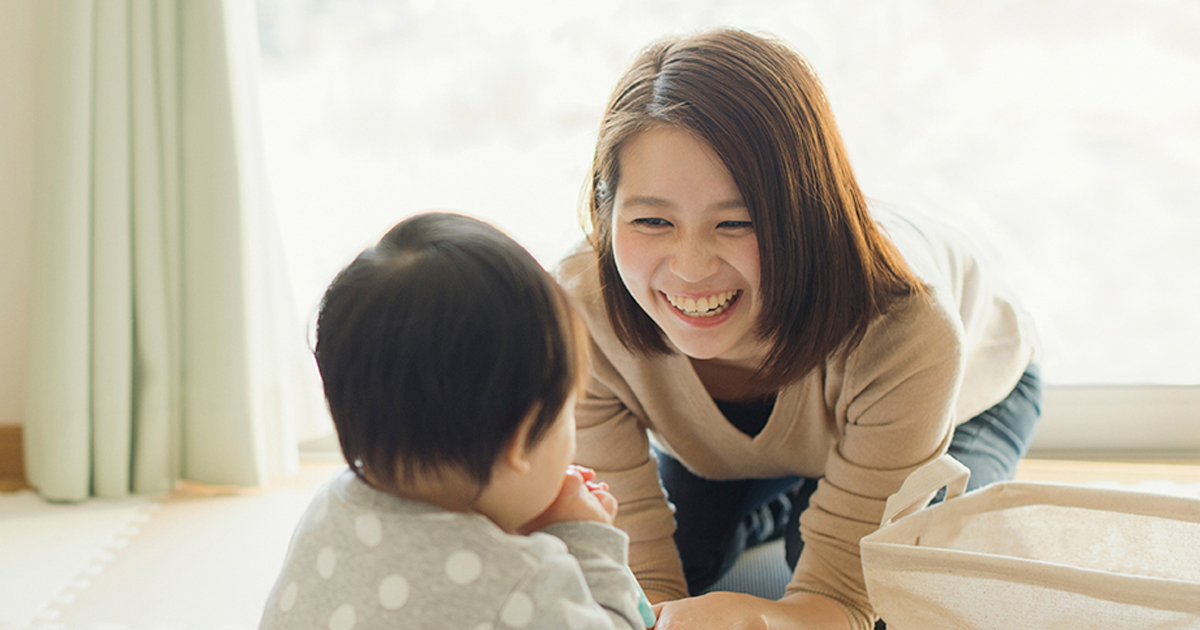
824	350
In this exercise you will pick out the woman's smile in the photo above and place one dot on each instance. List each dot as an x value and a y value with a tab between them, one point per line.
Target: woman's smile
704	311
705	306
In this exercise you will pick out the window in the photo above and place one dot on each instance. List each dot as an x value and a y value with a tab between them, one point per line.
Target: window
1065	140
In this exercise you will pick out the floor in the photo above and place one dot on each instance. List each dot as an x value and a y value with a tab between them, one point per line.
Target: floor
205	557
198	558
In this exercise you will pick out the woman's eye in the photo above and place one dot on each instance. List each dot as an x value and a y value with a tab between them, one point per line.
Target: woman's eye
651	222
737	225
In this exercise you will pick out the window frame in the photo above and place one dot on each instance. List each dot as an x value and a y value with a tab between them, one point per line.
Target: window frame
1158	421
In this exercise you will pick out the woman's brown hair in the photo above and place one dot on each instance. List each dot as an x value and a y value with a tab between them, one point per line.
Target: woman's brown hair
826	269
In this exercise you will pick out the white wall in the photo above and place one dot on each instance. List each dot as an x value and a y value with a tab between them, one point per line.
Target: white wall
16	200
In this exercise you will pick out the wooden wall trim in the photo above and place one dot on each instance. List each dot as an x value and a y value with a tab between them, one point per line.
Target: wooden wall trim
12	457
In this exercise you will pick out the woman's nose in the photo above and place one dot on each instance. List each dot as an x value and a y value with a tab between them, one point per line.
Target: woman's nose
693	260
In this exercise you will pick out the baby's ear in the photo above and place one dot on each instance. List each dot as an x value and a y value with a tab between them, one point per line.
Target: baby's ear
516	453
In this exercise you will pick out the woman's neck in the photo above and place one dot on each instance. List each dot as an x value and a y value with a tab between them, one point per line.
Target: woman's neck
730	381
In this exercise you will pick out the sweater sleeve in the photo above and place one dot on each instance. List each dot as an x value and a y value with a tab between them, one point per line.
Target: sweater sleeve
894	411
602	552
612	441
583	585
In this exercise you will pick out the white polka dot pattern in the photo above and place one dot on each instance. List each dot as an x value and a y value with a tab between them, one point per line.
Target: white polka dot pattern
517	611
326	562
343	618
393	592
368	529
464	567
287	599
363	567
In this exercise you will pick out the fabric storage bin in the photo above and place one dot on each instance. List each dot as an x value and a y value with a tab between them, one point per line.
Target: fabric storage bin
1022	555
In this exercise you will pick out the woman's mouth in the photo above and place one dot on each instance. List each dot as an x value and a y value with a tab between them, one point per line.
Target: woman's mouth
706	306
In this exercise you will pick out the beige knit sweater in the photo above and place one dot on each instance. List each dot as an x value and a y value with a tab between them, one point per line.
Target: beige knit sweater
861	424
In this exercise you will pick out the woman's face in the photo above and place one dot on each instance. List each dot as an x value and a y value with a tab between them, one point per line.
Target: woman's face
685	246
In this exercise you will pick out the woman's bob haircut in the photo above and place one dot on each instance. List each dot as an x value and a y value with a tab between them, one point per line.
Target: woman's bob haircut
826	269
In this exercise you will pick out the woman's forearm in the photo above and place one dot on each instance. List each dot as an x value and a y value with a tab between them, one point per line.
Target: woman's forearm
806	611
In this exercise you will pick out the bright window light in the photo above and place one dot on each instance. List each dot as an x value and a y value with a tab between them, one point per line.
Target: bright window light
1064	139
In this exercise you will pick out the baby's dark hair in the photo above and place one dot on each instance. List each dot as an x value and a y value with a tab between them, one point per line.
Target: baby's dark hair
435	343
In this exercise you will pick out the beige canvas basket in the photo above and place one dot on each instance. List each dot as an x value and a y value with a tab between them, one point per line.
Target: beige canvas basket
1021	556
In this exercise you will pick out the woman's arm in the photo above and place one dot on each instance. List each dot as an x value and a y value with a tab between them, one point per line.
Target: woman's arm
736	611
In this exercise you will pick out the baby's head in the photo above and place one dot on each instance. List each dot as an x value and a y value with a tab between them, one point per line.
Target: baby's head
442	344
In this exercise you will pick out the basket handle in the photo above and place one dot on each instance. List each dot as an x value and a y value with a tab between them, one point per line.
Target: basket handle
915	491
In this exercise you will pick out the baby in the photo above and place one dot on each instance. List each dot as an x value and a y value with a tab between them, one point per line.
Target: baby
450	362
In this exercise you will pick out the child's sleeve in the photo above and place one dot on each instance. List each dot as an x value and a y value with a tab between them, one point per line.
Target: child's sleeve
587	586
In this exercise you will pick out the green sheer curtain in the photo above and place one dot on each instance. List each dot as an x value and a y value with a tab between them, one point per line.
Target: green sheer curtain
161	344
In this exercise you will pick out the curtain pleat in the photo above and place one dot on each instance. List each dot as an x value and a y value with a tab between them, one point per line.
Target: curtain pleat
156	367
58	414
112	256
219	361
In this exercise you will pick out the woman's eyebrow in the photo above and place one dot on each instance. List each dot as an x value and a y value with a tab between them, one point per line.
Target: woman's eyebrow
646	200
659	202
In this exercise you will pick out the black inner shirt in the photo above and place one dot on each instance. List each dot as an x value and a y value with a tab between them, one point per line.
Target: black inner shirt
748	416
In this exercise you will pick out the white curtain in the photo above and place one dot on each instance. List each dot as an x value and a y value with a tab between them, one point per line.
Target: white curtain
162	344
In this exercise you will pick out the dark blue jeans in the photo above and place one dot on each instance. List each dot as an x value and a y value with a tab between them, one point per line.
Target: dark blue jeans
717	520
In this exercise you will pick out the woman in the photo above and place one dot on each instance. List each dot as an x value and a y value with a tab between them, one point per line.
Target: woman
770	353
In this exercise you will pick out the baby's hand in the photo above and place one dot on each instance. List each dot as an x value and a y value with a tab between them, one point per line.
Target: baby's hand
599	490
579	499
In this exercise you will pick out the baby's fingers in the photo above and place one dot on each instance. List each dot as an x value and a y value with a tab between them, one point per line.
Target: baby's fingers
593	486
607	501
586	473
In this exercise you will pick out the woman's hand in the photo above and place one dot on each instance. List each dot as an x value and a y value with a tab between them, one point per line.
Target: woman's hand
579	499
736	611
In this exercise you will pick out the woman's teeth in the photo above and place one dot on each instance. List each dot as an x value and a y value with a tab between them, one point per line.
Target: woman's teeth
705	306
